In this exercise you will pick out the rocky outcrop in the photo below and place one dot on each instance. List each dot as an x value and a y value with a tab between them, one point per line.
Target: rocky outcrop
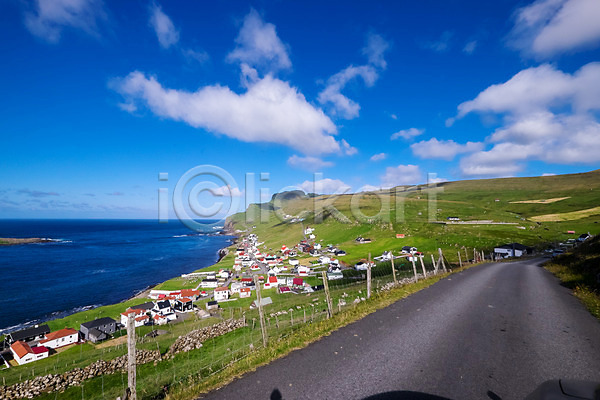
194	339
60	382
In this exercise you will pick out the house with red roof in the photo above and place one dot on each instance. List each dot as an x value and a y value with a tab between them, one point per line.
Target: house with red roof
190	294
271	282
136	313
183	305
245	292
23	353
63	337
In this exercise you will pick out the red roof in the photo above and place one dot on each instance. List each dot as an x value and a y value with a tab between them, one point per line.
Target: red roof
21	349
189	292
59	334
245	289
130	311
185	300
221	289
143	317
246	279
284	289
39	350
298	281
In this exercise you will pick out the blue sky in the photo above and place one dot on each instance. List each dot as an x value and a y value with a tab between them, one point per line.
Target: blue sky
101	97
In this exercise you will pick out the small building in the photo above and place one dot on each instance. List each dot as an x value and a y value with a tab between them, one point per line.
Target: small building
98	329
221	293
23	353
209	283
145	307
162	307
512	250
335	275
271	282
284	289
136	313
303	270
190	294
60	338
245	292
235	287
453	219
27	335
212	305
159	319
297	282
183	305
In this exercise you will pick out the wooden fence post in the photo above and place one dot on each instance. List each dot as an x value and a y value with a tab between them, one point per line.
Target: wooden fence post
459	260
412	259
327	295
435	266
131	369
263	329
466	255
423	266
442	259
369	277
393	269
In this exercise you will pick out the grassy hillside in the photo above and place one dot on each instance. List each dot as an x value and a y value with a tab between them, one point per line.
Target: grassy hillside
580	270
519	202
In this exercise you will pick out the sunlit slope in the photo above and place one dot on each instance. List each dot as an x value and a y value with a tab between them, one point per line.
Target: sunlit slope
413	211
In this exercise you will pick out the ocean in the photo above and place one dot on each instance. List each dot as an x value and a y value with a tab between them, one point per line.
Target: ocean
92	263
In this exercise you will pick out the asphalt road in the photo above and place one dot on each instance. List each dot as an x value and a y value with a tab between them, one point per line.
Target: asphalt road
494	331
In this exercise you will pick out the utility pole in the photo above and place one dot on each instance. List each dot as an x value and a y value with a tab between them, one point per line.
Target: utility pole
393	268
263	329
131	378
327	295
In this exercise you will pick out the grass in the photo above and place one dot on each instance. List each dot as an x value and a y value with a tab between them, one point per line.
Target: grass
579	270
568	216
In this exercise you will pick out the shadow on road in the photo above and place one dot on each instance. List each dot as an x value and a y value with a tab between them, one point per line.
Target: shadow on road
395	395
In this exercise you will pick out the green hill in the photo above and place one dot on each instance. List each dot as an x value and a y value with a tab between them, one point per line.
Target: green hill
536	211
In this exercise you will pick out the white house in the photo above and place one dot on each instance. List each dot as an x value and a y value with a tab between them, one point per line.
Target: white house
245	292
160	319
63	337
317	246
235	287
303	270
271	282
209	283
221	293
136	314
24	354
293	262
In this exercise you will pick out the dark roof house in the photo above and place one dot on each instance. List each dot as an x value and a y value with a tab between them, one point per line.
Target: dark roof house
98	329
34	333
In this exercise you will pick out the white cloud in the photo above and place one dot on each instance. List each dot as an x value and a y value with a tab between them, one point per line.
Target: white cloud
375	49
195	55
470	47
347	149
407	133
378	157
332	94
51	16
259	46
308	163
548	115
549	27
539	88
401	175
342	105
163	27
393	116
548	174
325	186
443	149
369	188
227	191
269	111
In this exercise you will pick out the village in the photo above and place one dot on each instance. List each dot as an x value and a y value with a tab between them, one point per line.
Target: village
299	269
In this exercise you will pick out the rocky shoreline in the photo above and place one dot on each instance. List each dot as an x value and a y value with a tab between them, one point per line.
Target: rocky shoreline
15	241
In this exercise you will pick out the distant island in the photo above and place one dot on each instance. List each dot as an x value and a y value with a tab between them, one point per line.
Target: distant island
14	241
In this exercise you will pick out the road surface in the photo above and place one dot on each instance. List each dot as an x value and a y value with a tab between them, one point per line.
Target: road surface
495	331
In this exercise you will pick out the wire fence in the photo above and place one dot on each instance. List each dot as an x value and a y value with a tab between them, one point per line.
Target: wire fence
288	313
